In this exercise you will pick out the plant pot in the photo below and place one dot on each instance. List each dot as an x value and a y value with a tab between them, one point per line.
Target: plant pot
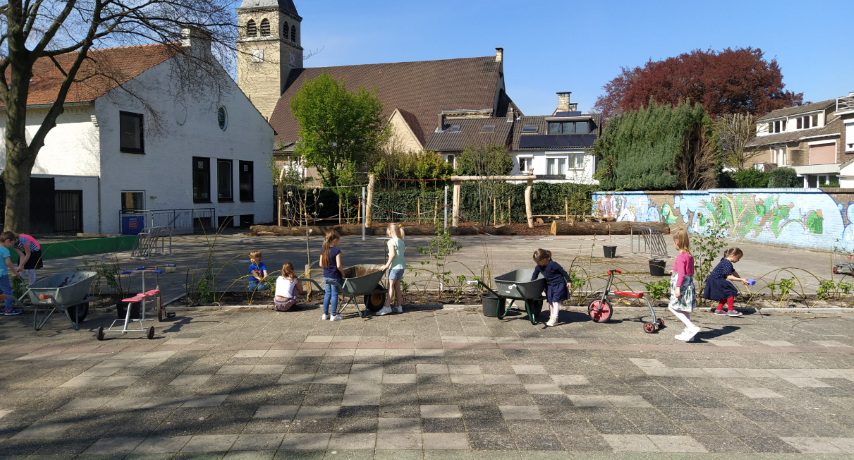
491	305
610	251
122	308
656	267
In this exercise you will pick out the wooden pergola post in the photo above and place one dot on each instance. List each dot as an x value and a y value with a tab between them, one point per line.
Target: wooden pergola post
370	200
529	208
455	221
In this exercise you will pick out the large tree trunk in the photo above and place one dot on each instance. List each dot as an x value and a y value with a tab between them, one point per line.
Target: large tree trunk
603	228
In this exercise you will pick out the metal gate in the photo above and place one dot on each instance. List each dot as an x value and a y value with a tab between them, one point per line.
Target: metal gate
69	211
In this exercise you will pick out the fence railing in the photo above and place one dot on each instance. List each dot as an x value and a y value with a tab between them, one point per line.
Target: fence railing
845	103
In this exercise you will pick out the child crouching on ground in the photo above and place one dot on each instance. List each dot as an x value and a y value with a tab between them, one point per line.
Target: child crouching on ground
287	288
559	282
683	298
257	273
7	240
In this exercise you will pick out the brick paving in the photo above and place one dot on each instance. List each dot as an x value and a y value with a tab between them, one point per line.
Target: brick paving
439	384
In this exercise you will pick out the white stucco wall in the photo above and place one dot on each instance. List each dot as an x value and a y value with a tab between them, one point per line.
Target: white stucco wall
540	164
79	146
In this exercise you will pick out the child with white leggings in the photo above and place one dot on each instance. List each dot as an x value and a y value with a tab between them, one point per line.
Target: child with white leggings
683	298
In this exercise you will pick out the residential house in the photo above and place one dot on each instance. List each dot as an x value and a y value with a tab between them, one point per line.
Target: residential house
556	147
845	111
131	142
807	138
453	135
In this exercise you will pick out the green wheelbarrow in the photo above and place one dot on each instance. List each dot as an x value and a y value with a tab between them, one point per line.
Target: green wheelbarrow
362	280
517	285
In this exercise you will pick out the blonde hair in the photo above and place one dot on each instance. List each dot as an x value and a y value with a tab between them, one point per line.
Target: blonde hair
288	271
541	254
395	230
327	243
255	256
682	241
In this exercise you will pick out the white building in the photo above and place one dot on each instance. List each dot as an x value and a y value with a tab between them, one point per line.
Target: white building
556	148
147	145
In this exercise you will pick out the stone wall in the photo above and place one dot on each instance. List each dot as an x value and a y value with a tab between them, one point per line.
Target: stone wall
802	218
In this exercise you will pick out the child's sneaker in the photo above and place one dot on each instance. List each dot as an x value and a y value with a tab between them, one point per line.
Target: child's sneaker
682	335
734	313
552	322
383	311
720	312
398	309
12	312
324	317
336	318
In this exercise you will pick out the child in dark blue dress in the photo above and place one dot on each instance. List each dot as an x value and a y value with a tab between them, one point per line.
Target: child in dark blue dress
559	282
718	286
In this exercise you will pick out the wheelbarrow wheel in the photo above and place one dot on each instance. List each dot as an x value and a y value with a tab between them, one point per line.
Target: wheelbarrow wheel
600	311
536	307
660	323
151	332
79	312
649	328
375	302
100	333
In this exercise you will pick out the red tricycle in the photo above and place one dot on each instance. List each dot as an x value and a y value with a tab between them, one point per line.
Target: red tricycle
600	310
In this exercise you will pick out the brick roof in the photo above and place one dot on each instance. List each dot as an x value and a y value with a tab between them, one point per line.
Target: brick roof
543	128
471	133
834	127
422	89
823	105
102	71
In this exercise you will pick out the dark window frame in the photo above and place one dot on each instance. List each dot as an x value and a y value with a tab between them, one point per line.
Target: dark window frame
205	169
294	33
241	175
251	28
264	28
133	150
230	198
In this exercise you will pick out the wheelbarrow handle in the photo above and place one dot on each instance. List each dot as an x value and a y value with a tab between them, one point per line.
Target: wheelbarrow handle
309	280
476	282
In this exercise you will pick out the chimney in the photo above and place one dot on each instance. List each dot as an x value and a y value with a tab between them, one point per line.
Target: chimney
197	40
441	123
509	114
563	101
499	54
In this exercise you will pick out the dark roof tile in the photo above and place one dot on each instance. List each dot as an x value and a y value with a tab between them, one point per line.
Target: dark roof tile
823	105
833	127
543	128
471	133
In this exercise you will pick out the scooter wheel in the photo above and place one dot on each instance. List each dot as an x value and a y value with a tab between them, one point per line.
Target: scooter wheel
600	311
649	328
151	332
660	323
100	333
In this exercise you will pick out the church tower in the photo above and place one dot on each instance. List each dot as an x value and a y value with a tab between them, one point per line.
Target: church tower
268	48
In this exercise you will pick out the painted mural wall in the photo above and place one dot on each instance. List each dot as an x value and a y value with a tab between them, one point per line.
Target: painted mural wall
803	218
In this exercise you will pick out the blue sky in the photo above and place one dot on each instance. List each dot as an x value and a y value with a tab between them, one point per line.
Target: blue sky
578	46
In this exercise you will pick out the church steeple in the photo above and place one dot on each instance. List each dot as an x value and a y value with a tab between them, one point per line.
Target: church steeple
267	49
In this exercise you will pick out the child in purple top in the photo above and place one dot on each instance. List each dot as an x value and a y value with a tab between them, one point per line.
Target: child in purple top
683	298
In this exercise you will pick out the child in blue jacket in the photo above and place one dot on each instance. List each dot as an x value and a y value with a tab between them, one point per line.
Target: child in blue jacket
559	282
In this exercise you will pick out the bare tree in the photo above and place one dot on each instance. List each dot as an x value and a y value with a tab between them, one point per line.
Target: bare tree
68	33
734	131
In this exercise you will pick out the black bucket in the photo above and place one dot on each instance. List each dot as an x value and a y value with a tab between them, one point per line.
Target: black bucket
610	251
491	306
122	309
656	267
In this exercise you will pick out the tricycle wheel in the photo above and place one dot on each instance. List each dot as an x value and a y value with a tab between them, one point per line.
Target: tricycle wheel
100	333
151	332
79	312
660	323
600	311
375	302
649	328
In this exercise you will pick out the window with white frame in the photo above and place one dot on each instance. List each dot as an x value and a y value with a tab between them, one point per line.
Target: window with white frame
556	166
777	126
525	164
452	159
576	161
779	156
807	121
849	136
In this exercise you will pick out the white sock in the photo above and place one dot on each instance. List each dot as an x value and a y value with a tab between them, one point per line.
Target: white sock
684	317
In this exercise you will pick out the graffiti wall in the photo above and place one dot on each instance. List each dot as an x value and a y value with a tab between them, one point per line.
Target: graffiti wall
808	218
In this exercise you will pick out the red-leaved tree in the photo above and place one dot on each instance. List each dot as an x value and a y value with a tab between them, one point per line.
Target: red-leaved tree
730	81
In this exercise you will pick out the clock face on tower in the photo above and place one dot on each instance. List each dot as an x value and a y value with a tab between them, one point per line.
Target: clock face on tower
292	58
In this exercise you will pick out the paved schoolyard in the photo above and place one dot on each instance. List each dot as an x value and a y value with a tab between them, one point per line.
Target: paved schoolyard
442	384
501	254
